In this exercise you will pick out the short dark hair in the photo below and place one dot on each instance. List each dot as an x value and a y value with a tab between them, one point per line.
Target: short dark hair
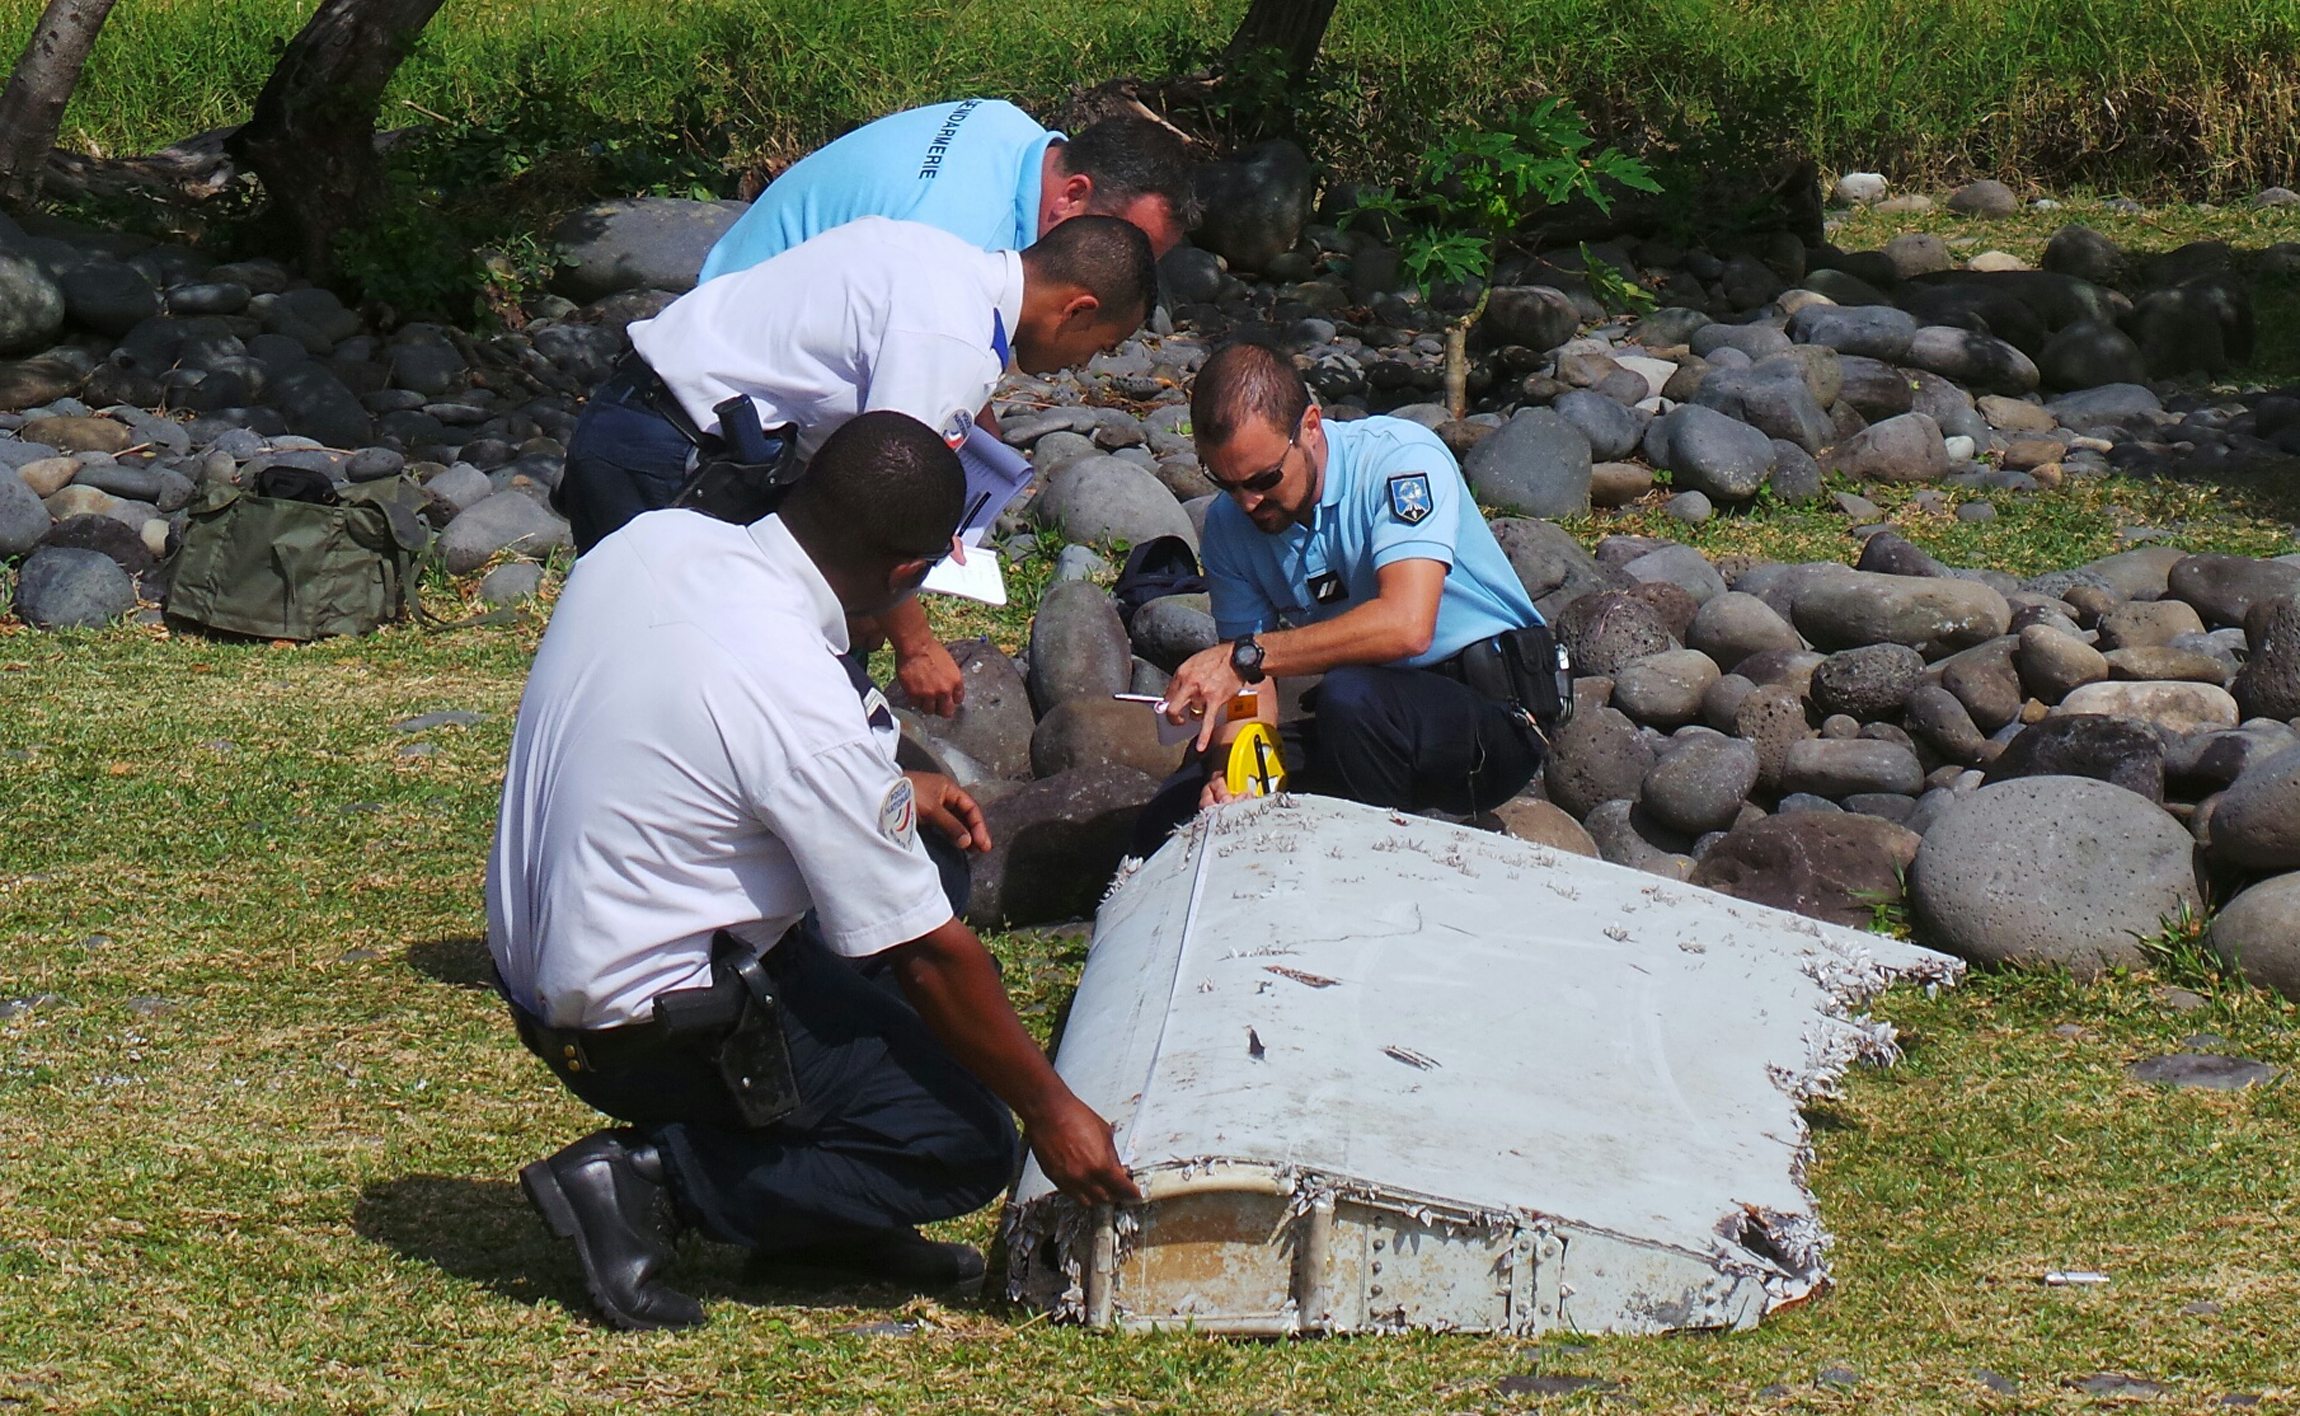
883	486
1130	158
1243	382
1103	256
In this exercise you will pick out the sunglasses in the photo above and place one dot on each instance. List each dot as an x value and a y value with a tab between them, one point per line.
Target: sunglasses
1262	482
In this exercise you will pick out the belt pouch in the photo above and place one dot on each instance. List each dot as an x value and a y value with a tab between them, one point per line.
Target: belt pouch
754	1058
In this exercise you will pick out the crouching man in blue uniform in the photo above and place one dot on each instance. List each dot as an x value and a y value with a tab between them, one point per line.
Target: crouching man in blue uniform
1354	551
703	831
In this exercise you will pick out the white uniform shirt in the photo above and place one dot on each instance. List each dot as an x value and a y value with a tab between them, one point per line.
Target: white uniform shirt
691	755
874	314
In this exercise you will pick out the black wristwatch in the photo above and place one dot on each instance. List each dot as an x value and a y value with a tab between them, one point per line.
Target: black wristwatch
1246	658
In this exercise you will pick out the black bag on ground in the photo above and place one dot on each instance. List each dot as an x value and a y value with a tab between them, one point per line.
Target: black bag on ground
1161	566
294	557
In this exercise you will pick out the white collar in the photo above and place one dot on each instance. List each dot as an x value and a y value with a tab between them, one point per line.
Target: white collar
784	553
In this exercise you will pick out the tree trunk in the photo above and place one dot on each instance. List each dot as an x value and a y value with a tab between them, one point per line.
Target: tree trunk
32	108
311	138
1294	28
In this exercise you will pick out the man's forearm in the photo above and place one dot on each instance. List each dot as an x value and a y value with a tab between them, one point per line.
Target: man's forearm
949	978
906	628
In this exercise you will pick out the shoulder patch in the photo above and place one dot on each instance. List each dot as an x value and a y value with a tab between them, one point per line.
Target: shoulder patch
898	811
1410	499
954	431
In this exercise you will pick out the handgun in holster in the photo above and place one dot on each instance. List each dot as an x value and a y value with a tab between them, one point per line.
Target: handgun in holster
743	471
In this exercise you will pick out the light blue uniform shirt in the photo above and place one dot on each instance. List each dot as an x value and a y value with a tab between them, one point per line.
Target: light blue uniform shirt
971	168
1392	493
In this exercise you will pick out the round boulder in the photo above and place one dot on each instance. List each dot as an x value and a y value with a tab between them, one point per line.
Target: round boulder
1536	464
2060	870
62	587
1097	732
1701	783
31	305
1826	865
2258	933
2257	822
1106	498
1868	683
1596	757
993	723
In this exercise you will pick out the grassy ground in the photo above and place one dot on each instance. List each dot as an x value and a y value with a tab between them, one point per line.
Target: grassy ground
258	1124
2201	96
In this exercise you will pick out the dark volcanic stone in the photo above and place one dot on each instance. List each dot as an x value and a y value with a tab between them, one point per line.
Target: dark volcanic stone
2119	750
1830	866
1058	841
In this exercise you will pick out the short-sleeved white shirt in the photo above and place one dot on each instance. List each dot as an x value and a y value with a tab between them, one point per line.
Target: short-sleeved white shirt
691	755
873	314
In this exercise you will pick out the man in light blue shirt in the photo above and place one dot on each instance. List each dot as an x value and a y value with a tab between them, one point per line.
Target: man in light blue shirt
1354	551
984	171
981	169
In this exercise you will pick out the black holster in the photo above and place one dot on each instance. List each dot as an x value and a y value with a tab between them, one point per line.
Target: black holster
1526	669
743	471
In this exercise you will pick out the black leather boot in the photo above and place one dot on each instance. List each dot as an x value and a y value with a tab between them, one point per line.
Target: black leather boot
607	1193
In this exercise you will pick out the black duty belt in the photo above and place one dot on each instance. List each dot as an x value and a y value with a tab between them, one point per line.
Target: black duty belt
648	385
681	1017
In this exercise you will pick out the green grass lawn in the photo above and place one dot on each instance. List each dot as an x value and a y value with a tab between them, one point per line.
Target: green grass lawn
259	1122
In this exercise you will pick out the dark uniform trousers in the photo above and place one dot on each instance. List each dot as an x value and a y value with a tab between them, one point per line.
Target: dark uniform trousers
626	456
891	1129
1411	739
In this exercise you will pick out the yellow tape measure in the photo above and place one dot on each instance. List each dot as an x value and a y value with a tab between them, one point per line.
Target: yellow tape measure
1255	768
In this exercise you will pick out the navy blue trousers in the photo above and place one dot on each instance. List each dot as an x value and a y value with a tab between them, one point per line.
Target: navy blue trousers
624	458
1404	738
891	1129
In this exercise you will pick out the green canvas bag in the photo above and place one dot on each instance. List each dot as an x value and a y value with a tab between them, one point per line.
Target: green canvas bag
306	565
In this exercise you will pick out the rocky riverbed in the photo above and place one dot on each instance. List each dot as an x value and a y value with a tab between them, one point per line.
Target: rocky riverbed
2050	767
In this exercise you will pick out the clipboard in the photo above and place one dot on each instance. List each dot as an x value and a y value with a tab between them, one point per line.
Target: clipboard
995	475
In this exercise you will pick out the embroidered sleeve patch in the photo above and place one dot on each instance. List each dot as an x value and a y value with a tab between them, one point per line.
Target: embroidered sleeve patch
1410	499
898	812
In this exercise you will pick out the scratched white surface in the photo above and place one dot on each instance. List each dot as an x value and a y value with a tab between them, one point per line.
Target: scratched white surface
1411	1007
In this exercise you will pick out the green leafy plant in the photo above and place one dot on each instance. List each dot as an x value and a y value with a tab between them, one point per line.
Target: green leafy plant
2181	954
1480	187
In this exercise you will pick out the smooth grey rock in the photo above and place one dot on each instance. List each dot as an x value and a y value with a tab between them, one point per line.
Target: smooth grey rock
1536	464
109	297
1190	276
1908	448
2210	1071
23	520
1627	835
1711	453
637	243
510	583
1732	626
1100	732
1611	429
61	587
1701	783
1681	566
2059	869
1870	331
1840	767
2110	405
1691	508
2223	589
1823	864
1930	615
993	724
1078	646
2084	253
1754	340
1108	499
1917	253
2176	708
1664	690
460	487
1986	197
2088	354
1172	628
1538	317
2258	932
2256	824
1554	568
505	521
2052	662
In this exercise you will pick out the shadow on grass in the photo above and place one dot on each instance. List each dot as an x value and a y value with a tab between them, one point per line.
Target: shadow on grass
458	963
483	1232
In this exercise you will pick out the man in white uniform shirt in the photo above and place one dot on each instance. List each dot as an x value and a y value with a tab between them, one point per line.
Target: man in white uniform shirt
703	828
876	314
